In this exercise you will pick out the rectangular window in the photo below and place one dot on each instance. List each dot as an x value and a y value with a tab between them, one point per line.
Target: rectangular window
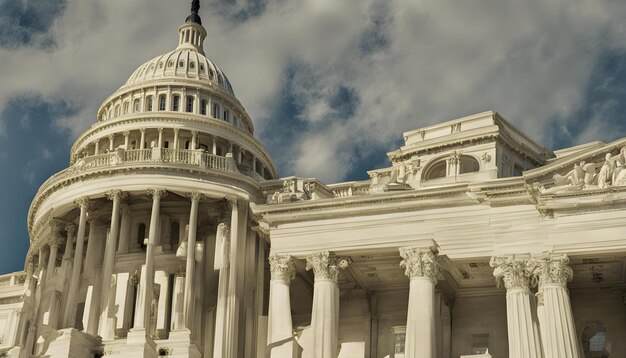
226	115
162	103
399	338
176	103
216	111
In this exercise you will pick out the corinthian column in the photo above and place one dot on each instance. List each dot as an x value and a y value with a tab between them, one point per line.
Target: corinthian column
69	315
146	284
558	328
279	325
55	241
325	312
190	264
515	272
107	324
420	264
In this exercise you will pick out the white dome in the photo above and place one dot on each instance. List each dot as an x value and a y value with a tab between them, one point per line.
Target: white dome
187	64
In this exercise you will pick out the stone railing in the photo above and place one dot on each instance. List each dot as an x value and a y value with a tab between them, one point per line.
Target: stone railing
13	279
156	155
350	189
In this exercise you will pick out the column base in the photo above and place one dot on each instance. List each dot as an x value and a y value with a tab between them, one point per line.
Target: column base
71	343
139	344
181	345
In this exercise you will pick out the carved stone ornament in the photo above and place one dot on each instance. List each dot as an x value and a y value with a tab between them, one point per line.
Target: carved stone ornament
133	279
552	270
56	239
512	271
116	195
232	200
420	262
82	203
71	230
157	193
195	196
539	296
325	266
281	267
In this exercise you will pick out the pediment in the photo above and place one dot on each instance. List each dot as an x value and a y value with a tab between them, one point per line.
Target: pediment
600	167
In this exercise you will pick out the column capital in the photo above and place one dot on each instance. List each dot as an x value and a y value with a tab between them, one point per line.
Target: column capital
126	133
56	239
82	203
420	262
157	193
176	129
232	200
160	129
514	271
194	132
71	230
111	136
281	267
195	195
325	266
142	130
118	195
552	270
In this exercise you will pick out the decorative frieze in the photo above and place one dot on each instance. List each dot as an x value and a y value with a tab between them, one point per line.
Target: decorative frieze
420	262
281	267
325	266
512	271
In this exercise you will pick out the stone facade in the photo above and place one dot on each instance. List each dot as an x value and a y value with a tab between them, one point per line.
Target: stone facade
170	234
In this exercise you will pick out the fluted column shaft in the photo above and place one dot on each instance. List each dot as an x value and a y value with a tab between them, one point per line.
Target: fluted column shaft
523	329
558	325
325	310
279	324
235	280
421	268
146	284
69	315
221	263
107	328
54	243
190	264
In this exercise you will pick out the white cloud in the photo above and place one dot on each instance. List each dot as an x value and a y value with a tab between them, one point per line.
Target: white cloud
529	60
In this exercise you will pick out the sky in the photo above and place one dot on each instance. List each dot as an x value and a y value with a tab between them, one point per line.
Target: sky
331	85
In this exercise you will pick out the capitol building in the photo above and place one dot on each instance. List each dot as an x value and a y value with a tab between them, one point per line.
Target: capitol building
171	234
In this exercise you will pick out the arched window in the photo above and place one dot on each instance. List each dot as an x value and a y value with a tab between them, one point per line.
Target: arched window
136	105
162	100
176	103
468	164
117	110
126	107
594	341
436	170
141	235
203	105
149	104
189	108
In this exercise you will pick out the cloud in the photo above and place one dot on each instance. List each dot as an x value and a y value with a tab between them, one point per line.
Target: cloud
28	22
331	84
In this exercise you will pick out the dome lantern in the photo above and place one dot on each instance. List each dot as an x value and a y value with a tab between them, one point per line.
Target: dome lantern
192	33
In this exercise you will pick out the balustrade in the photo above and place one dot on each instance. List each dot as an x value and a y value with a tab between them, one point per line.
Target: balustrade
167	155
